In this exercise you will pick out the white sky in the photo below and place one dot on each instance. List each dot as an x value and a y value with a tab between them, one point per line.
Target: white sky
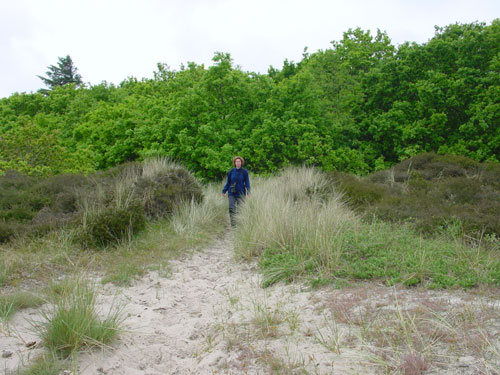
114	39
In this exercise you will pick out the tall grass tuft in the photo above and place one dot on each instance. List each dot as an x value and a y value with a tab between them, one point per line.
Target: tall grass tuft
292	220
73	323
194	217
297	225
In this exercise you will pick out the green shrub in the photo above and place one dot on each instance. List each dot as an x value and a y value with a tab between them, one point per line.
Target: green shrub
433	166
61	192
35	205
110	225
429	190
357	192
163	192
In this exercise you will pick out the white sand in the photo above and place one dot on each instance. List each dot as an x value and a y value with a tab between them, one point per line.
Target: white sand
210	316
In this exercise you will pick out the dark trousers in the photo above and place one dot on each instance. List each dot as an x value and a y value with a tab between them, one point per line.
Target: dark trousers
233	206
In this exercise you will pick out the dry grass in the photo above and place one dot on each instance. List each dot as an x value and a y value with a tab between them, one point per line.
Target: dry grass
410	332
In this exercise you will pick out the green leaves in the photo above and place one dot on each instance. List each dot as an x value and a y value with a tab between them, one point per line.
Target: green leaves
361	105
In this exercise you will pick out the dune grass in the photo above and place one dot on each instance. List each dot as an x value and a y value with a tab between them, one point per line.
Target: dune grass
192	225
12	302
72	323
47	364
297	225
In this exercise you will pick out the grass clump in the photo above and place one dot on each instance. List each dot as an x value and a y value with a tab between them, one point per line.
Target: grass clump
73	323
46	364
296	230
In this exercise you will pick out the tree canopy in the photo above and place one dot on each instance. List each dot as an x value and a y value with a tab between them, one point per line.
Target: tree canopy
361	105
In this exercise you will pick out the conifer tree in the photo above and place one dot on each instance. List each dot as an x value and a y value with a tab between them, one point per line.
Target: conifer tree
65	72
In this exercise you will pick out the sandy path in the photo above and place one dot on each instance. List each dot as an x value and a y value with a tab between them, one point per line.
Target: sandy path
212	317
209	315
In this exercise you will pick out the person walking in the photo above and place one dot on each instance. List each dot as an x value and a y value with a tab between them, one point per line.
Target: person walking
237	186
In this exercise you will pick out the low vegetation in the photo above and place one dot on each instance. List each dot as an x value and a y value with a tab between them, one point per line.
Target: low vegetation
73	322
141	215
176	221
433	192
301	224
12	302
298	225
104	208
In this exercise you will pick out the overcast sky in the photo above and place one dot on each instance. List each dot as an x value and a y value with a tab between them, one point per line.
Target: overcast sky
110	40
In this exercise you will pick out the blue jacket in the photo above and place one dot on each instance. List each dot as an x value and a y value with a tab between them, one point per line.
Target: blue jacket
242	182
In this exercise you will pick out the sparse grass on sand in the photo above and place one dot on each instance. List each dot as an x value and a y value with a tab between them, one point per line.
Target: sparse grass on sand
47	364
12	302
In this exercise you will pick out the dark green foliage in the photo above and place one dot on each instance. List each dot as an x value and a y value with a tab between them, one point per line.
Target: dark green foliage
111	225
431	191
110	204
62	74
358	192
6	231
35	205
163	192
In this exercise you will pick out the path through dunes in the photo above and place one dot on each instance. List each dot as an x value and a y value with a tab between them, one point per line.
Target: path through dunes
209	315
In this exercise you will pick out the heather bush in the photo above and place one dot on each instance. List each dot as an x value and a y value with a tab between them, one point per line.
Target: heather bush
111	204
430	191
163	185
107	226
357	193
35	205
6	231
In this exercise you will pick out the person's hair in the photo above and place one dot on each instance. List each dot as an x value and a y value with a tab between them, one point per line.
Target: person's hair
238	157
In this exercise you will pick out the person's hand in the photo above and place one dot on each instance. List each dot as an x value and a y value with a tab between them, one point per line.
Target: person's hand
223	194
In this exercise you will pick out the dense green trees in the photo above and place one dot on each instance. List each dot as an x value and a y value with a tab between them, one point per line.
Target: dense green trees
361	105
